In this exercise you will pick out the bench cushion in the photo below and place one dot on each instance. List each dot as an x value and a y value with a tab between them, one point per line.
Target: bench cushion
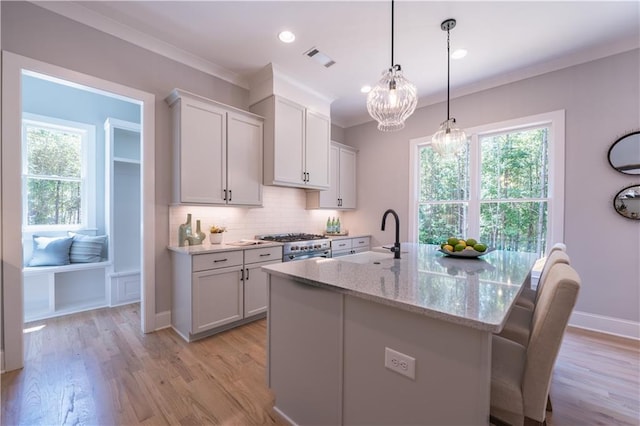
86	248
48	251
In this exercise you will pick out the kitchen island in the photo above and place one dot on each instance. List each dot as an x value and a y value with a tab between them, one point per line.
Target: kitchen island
368	339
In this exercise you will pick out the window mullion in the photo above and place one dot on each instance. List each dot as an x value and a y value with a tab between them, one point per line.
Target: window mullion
474	186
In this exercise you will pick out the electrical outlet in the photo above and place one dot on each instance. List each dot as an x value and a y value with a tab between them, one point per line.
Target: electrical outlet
400	363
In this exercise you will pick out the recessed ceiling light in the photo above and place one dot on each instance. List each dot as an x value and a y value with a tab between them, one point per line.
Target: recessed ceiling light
459	54
287	37
365	89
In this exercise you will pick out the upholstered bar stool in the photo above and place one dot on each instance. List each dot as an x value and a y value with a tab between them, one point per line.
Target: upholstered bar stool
518	324
521	376
528	295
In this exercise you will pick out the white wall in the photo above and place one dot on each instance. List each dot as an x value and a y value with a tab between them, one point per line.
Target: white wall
602	102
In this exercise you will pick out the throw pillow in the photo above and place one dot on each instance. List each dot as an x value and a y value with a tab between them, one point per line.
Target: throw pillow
86	248
48	251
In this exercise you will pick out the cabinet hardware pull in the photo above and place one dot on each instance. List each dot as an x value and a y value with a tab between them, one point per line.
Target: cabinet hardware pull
230	195
341	245
304	176
265	254
220	260
225	195
247	274
241	274
308	177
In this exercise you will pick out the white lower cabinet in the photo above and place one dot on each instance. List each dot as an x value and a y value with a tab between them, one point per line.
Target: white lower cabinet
217	298
347	246
212	292
255	289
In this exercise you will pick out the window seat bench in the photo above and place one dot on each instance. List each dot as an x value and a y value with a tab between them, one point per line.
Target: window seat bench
52	291
34	270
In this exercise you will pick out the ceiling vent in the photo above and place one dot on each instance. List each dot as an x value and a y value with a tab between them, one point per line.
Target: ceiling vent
320	57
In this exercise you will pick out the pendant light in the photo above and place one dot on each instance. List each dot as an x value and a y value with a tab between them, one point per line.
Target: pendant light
394	98
449	139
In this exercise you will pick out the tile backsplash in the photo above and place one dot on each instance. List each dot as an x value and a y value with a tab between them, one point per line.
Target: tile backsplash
284	210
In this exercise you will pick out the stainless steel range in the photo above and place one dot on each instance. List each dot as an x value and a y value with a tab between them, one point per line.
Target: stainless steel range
300	246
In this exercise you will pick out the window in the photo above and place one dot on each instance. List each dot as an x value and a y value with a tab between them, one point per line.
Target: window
57	184
505	188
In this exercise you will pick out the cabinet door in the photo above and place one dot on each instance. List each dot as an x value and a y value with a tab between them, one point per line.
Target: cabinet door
217	298
347	182
255	289
317	142
202	152
244	160
289	141
329	198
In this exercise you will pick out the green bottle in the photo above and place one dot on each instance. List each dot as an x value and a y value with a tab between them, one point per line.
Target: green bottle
328	230
337	226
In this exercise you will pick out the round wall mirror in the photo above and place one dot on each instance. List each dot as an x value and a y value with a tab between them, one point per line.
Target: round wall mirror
627	202
624	154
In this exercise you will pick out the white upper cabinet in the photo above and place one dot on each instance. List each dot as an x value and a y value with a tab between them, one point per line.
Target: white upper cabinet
217	152
244	159
296	144
341	194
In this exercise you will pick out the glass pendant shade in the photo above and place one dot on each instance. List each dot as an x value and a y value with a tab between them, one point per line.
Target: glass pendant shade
449	139
392	100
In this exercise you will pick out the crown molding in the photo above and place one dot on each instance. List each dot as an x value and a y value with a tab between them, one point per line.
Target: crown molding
100	22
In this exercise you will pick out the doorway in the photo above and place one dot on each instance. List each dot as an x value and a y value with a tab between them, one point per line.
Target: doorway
15	67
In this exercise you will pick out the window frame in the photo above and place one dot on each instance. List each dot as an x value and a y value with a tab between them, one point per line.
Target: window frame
554	120
87	174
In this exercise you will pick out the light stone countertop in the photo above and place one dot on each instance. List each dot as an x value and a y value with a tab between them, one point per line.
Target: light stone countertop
346	237
476	293
207	247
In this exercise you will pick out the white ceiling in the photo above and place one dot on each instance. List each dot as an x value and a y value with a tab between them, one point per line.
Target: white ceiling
506	40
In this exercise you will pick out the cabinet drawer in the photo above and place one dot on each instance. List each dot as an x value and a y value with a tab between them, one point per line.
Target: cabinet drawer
340	244
202	262
262	254
361	242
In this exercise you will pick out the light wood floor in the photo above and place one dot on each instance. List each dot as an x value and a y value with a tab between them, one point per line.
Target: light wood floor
97	368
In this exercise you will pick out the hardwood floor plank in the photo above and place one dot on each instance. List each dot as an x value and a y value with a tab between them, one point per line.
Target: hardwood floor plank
98	368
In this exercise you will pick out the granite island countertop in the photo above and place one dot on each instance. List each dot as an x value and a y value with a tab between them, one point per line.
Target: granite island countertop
477	293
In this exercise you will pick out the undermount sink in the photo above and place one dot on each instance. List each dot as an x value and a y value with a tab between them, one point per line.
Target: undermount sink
366	257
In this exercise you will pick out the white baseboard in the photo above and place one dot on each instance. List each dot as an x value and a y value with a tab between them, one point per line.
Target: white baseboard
284	416
163	320
609	325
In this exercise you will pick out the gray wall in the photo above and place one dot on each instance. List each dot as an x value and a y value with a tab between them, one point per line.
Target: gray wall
337	133
601	100
34	32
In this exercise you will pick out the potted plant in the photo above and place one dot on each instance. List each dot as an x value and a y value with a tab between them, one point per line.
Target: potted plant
215	235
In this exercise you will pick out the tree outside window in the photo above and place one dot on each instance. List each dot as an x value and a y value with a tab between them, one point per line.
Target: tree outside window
53	178
497	186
